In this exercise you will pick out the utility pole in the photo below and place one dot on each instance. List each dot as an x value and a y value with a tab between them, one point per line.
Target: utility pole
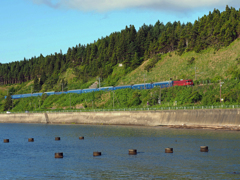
99	83
160	96
144	82
220	92
70	100
39	103
12	103
195	73
113	99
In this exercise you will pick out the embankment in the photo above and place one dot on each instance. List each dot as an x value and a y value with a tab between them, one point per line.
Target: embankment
178	118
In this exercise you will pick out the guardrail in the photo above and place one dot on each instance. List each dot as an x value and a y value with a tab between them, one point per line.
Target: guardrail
137	109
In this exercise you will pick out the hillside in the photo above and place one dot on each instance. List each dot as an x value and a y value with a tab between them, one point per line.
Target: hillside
210	64
205	51
132	48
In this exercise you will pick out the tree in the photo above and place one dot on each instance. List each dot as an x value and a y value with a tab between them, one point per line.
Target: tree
140	39
134	100
8	103
36	84
163	43
43	78
195	97
151	64
136	61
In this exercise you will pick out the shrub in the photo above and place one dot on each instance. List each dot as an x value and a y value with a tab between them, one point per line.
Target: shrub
151	64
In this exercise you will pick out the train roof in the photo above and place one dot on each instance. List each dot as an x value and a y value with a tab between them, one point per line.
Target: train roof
123	85
75	90
141	84
185	80
105	87
163	82
89	89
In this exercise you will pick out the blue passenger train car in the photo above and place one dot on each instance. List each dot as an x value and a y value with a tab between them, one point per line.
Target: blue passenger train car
89	90
50	93
17	96
142	86
123	87
37	94
26	95
163	84
110	88
58	93
77	91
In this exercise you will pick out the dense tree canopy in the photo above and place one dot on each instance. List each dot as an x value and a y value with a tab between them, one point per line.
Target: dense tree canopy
129	47
8	103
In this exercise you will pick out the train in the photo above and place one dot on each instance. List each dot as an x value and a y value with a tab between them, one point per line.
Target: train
163	84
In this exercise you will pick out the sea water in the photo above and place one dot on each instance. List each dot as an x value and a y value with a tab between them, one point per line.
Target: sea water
20	159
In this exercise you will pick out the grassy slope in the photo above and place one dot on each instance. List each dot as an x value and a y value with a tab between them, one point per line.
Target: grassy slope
209	64
20	88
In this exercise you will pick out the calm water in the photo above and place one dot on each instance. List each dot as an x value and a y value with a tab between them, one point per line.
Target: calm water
21	159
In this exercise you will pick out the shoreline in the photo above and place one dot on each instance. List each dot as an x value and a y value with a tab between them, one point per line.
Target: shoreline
216	128
215	119
222	128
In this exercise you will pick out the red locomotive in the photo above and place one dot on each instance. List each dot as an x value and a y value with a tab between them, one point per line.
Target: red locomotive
188	82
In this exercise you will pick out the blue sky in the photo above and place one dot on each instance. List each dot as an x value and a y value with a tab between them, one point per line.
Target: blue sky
32	27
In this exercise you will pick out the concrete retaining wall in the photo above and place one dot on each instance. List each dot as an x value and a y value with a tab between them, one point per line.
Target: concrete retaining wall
23	118
215	117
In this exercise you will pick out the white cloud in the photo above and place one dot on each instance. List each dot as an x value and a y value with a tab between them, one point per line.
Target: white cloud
109	5
51	3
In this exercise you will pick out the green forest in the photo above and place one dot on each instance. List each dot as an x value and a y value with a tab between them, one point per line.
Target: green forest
146	49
